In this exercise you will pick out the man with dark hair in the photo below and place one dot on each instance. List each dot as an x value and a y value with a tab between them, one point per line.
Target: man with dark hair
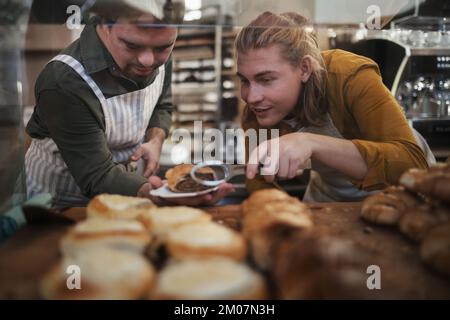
104	101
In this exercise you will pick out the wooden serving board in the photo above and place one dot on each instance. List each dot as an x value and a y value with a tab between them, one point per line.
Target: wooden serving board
34	249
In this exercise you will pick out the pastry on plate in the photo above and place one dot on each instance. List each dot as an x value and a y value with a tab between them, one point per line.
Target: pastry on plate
179	178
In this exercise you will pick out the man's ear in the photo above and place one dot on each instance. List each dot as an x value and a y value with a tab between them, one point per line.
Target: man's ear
306	67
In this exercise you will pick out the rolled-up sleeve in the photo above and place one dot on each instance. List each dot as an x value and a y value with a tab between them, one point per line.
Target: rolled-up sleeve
387	143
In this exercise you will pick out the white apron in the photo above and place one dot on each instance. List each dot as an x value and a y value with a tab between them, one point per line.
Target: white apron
126	118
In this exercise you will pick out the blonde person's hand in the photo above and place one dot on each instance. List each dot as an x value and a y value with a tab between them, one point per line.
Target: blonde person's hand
150	152
282	157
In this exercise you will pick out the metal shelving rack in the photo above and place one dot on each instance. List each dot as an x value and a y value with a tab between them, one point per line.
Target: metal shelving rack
198	53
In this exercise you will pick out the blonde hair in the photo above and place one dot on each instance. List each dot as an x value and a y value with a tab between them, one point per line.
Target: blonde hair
293	33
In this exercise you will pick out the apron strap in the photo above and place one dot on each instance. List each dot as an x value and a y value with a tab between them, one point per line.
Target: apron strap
78	68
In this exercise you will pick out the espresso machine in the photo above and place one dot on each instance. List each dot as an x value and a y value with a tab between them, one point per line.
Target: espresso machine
414	60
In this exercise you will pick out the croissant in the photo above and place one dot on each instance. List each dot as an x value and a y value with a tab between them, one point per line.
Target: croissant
388	206
434	182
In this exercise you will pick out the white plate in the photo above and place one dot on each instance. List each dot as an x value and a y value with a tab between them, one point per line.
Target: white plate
165	192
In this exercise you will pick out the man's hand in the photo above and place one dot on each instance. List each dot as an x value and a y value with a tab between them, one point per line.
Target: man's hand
153	183
151	151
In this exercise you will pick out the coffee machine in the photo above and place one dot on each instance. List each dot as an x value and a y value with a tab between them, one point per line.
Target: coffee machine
414	60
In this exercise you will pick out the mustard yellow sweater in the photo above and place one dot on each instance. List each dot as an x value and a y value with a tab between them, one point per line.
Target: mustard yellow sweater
365	112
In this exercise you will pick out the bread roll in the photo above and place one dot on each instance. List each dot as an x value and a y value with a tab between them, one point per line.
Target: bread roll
213	279
119	234
435	248
387	206
205	240
164	219
118	207
104	274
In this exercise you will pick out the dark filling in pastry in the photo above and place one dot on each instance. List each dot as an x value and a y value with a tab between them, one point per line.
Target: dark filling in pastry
187	184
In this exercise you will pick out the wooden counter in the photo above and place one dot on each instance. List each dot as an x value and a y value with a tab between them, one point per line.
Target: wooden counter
31	252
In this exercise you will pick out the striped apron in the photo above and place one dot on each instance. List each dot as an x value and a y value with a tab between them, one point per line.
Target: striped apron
126	121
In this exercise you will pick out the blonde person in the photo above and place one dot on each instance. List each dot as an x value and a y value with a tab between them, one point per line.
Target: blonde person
331	108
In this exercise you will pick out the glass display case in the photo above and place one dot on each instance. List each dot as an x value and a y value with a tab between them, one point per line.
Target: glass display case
13	22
